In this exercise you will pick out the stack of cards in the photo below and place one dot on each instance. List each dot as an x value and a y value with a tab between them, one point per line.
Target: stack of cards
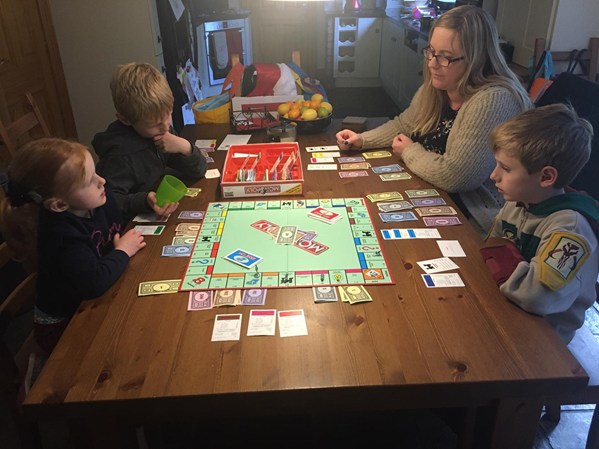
385	196
354	294
324	215
243	258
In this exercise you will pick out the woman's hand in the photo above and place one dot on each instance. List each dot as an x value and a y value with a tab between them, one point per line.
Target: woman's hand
349	140
130	243
399	144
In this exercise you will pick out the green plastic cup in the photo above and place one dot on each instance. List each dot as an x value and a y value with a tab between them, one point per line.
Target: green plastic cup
170	190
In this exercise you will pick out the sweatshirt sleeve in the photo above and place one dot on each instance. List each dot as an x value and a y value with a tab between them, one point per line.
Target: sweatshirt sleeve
468	159
190	167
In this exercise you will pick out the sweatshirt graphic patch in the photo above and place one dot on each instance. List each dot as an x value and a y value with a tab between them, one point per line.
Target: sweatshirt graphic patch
561	258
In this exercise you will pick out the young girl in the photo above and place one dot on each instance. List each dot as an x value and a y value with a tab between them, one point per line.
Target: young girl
55	194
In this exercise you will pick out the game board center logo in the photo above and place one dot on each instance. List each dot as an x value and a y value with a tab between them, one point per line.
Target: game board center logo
262	190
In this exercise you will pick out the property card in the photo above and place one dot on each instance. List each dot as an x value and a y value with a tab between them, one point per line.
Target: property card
394	234
227	327
451	248
254	297
243	258
212	173
176	250
149	218
395	176
418	202
324	294
323	148
149	229
158	287
330	154
421	193
353	174
397	216
322	166
292	323
376	154
322	160
441	221
350	159
234	139
393	168
437	265
262	322
200	300
427	211
206	144
191	214
442	280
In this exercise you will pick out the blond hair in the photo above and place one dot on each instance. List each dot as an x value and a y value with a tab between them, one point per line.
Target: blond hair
140	92
41	169
552	135
485	64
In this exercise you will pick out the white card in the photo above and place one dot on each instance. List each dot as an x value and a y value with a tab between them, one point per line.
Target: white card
451	248
262	322
227	327
442	280
149	218
324	148
437	265
330	154
234	139
396	233
212	173
205	143
292	323
149	229
322	166
322	160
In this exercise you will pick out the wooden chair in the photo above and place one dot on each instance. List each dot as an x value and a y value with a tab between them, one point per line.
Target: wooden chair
16	366
31	125
587	59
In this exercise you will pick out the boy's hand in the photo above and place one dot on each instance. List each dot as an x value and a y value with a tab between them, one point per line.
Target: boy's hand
348	140
163	211
130	243
169	143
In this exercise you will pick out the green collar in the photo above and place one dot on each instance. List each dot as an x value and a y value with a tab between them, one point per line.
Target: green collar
577	201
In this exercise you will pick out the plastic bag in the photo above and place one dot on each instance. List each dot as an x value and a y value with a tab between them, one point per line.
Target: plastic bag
213	110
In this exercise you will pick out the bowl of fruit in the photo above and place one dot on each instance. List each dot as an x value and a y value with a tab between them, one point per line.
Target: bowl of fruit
310	116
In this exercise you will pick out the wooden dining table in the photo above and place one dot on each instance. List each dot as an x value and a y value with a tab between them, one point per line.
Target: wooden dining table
125	357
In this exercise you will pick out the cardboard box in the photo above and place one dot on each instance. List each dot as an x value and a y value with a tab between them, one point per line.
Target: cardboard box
236	181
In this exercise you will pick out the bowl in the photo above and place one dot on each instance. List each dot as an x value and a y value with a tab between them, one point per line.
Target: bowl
310	126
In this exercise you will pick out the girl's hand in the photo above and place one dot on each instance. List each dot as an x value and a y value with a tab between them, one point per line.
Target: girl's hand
163	211
130	243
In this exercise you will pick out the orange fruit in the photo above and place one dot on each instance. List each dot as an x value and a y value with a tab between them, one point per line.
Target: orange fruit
293	113
315	104
317	97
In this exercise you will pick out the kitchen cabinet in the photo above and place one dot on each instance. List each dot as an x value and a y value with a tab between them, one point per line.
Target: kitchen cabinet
357	45
401	61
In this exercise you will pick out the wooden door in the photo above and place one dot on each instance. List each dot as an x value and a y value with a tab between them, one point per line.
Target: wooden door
30	61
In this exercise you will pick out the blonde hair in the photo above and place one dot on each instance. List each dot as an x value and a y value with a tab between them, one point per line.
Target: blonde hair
552	135
485	64
140	92
41	169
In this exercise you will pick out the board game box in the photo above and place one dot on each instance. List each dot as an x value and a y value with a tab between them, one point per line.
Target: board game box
262	169
277	243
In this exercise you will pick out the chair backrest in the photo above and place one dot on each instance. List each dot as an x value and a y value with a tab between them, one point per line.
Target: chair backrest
583	60
31	125
583	95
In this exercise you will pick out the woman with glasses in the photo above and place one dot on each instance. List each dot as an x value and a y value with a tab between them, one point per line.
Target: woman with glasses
443	136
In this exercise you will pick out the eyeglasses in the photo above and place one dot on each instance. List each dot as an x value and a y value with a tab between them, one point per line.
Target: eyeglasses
443	61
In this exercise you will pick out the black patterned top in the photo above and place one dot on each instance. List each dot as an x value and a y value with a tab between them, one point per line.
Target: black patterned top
436	140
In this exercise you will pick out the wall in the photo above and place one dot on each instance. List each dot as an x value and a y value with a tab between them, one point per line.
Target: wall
93	37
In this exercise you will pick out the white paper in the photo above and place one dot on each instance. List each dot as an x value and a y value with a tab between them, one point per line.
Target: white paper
227	327
437	265
292	323
212	173
262	322
322	166
442	280
234	139
149	218
324	148
177	7
451	248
